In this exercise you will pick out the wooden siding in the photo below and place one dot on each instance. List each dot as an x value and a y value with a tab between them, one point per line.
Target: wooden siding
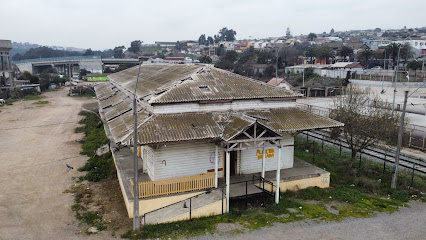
175	185
150	162
251	160
185	159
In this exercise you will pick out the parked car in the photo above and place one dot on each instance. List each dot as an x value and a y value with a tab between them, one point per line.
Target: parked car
377	67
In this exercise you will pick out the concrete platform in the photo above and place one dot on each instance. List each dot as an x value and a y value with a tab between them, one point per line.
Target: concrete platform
301	175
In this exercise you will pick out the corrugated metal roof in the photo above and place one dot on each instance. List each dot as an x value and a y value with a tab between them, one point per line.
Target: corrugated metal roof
178	127
214	84
113	100
226	125
104	90
122	126
118	109
292	119
154	78
235	124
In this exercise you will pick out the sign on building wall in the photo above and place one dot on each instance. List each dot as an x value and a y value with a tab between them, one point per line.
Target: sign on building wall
269	153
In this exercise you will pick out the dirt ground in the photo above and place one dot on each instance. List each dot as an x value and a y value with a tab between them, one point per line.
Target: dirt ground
36	141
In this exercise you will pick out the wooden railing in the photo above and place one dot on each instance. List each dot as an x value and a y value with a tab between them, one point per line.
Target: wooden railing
175	185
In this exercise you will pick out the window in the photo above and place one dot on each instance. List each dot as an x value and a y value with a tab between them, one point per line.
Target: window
204	89
416	43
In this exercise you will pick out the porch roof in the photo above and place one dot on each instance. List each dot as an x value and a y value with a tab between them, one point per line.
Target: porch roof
226	125
292	119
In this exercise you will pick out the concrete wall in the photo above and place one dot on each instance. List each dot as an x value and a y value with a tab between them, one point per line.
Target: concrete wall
93	65
208	210
322	181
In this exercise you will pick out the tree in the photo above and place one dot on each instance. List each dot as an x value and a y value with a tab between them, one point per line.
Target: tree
226	34
118	52
332	31
324	52
205	59
392	49
269	71
311	52
406	52
287	56
288	33
345	51
88	52
312	36
364	126
135	46
364	56
210	40
202	39
231	56
415	65
220	51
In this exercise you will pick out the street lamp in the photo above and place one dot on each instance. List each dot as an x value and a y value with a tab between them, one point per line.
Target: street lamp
396	80
136	219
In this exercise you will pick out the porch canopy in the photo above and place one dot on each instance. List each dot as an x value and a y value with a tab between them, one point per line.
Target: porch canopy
232	130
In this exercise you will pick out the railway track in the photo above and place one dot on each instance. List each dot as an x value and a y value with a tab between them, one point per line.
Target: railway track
374	153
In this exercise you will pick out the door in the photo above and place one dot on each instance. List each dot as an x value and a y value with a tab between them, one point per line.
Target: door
233	162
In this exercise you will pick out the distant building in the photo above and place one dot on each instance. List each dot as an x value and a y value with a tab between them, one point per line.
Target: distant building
281	83
5	66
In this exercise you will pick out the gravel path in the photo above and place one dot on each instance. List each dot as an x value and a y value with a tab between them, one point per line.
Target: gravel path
407	223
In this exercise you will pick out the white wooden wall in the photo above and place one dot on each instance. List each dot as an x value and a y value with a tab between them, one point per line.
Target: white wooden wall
251	160
185	159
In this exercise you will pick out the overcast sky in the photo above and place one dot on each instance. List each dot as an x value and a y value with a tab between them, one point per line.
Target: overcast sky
101	24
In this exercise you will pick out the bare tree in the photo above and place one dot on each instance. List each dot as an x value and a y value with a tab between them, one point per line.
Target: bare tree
367	121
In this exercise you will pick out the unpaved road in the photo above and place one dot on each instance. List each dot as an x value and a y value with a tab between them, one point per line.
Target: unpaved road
407	223
36	141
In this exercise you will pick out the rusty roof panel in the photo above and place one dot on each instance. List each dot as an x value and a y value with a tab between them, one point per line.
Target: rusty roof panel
215	84
153	77
178	127
292	119
226	125
235	124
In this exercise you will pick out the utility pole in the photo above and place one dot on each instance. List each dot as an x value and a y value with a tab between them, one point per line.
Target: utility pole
384	67
303	78
136	219
398	146
396	80
276	71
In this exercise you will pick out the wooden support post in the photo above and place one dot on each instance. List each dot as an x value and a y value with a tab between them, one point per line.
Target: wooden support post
277	191
215	166
228	176
412	175
340	152
263	162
